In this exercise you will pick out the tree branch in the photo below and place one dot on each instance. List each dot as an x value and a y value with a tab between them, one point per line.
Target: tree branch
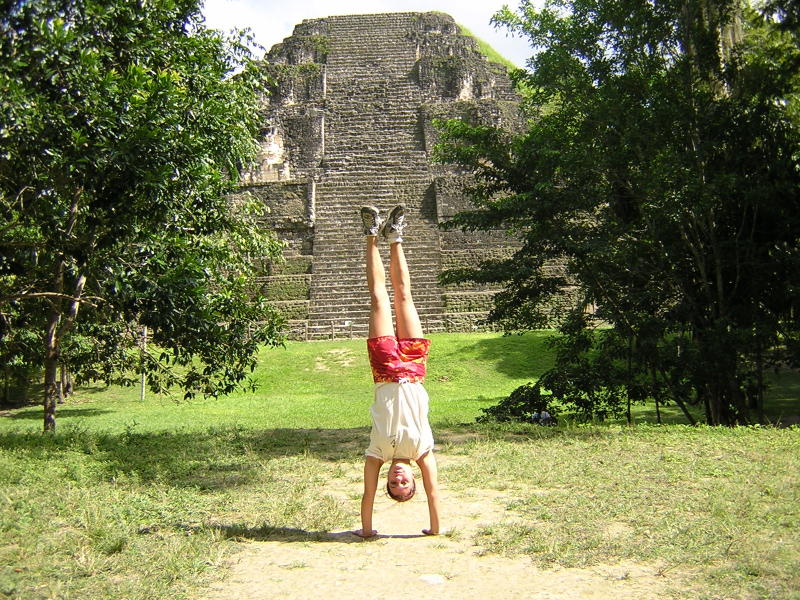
74	306
60	296
11	224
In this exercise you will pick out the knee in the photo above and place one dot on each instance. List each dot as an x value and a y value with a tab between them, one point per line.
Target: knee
379	300
402	295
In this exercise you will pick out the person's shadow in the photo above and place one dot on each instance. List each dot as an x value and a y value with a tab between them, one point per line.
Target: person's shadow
267	533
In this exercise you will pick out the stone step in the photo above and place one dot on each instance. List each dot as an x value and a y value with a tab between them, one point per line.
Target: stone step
323	307
326	332
419	269
337	271
372	127
348	263
374	153
425	292
361	165
406	161
357	315
335	180
360	301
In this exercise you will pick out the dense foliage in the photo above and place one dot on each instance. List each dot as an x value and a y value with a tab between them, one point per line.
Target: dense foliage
658	168
123	127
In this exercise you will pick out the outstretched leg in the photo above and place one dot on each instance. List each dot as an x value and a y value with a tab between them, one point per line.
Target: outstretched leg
408	323
380	316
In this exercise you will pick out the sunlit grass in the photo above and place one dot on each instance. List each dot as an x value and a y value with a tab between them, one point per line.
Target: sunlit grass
328	385
488	50
140	500
317	385
721	505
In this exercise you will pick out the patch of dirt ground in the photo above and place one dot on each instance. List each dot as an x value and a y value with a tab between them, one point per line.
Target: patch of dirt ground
401	561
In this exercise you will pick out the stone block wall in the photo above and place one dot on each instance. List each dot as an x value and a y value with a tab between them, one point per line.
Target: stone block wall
348	122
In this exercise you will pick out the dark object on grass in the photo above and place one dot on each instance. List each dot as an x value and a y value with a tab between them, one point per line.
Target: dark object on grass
526	404
544	418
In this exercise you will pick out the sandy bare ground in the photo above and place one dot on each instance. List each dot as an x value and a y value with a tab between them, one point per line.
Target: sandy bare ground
403	562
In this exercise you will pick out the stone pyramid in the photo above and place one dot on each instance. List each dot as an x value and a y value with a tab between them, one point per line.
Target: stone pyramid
349	121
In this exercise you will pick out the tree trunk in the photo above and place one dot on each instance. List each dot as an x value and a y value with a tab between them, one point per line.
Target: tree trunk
721	405
66	381
677	398
758	400
704	394
59	323
656	395
629	379
56	329
51	370
740	412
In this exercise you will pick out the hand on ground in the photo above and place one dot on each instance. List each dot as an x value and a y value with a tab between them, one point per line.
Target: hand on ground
360	533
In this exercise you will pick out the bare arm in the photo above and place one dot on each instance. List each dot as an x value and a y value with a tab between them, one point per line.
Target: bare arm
430	479
372	468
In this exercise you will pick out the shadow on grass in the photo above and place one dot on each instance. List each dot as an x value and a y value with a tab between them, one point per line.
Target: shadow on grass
212	459
526	355
218	458
267	533
782	402
36	413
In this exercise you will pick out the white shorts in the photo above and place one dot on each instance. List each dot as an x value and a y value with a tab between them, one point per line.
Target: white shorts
400	427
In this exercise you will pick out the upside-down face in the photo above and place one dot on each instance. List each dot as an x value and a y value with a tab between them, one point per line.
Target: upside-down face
400	482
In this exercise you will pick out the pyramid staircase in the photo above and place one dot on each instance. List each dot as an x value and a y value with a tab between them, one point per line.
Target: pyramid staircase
373	155
354	122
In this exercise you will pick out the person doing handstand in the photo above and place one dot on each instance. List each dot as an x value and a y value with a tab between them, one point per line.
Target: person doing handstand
400	429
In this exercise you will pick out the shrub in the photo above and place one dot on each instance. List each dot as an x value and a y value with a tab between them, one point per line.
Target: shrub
525	404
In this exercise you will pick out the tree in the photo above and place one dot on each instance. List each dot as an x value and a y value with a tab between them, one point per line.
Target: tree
659	168
123	127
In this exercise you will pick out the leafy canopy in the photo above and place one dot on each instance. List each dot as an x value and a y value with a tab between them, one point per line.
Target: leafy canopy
123	127
657	181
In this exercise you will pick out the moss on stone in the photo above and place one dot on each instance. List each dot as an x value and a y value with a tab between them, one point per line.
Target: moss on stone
487	50
287	288
294	265
320	43
294	310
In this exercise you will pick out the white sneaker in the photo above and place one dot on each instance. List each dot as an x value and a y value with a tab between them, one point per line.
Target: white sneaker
392	229
371	219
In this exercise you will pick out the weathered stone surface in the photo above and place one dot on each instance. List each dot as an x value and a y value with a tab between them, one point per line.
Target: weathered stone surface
349	122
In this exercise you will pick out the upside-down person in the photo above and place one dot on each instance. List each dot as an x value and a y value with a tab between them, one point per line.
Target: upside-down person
400	432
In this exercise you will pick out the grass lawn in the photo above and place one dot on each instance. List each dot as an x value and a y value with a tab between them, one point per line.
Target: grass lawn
142	500
316	385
